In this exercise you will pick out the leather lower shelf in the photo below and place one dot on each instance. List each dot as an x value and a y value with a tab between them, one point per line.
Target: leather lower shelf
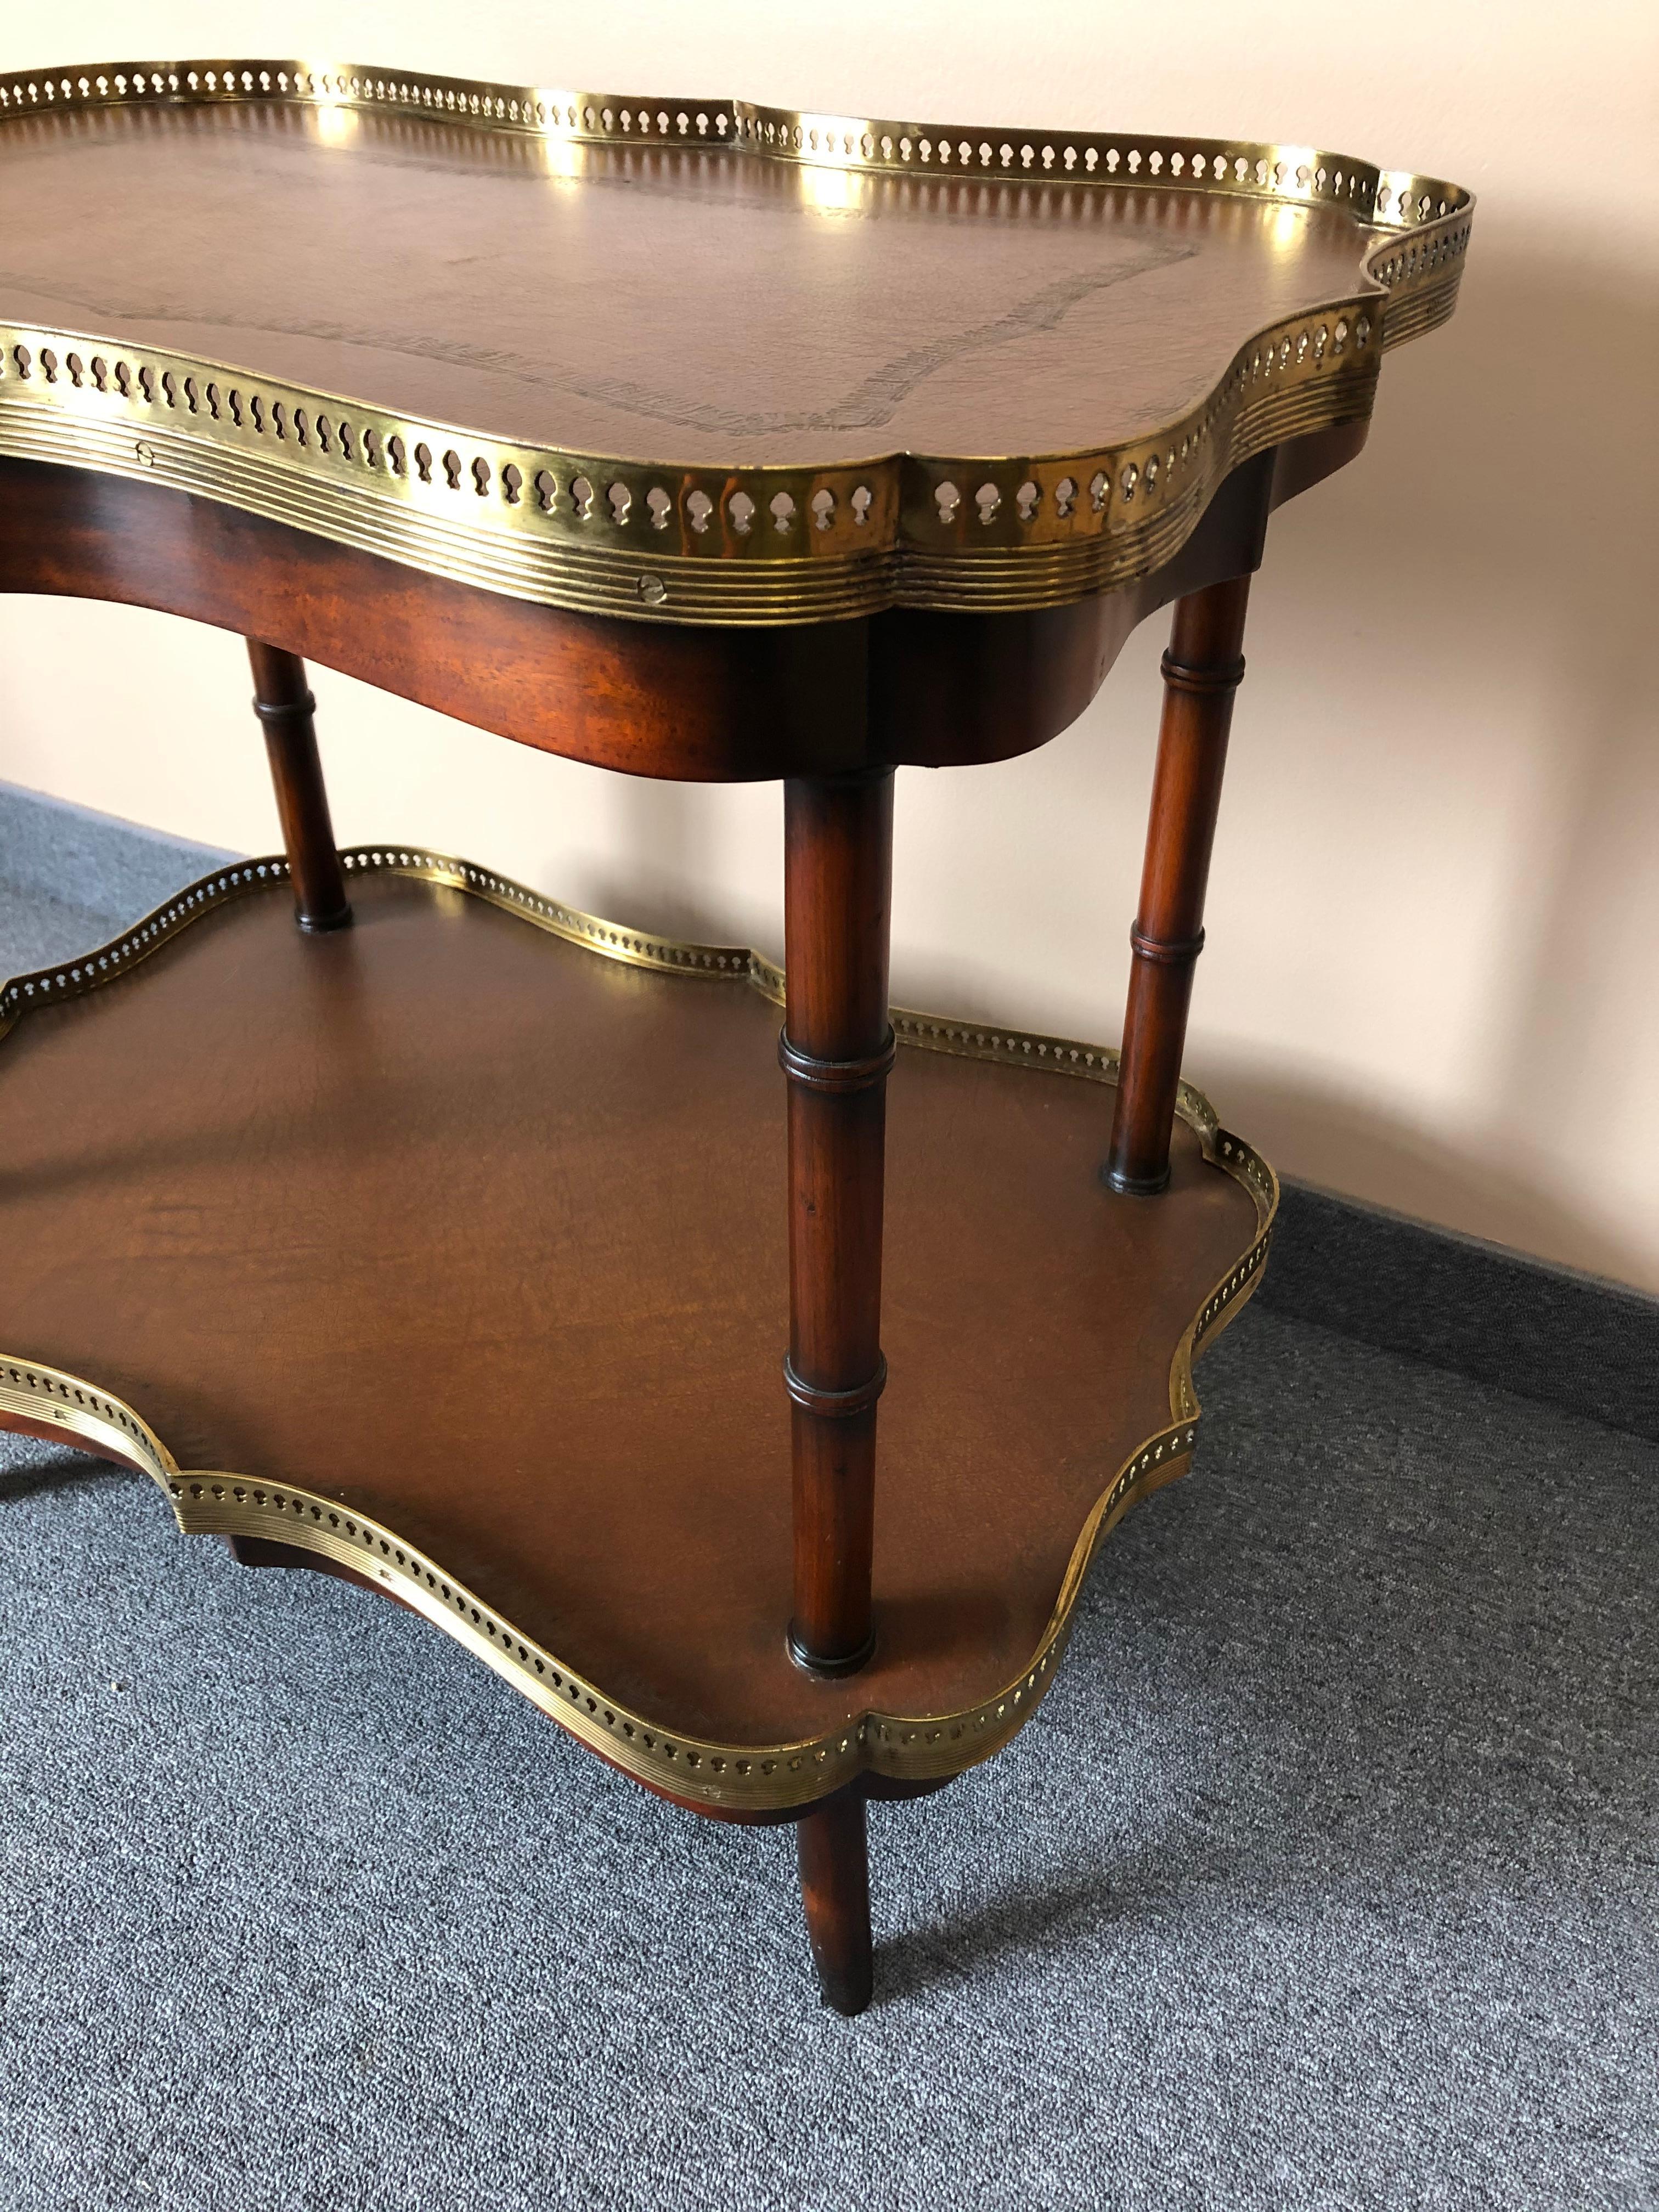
469	1248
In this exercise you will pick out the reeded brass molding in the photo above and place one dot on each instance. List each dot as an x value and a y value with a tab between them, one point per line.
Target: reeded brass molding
622	535
754	1778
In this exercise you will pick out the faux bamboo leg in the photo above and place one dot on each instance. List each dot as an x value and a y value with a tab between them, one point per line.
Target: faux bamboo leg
837	1048
835	1889
1202	671
283	701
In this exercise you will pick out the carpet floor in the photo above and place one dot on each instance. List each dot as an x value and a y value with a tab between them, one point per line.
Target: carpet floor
1327	1875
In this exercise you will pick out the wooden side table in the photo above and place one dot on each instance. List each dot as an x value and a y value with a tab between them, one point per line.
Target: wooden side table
440	1243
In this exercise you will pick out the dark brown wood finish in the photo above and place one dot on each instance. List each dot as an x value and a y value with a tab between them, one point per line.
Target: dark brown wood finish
287	711
1202	673
934	688
832	1844
837	1048
481	1235
840	698
697	705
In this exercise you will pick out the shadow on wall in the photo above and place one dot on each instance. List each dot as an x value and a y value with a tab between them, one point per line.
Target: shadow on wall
656	871
1338	1142
1518	490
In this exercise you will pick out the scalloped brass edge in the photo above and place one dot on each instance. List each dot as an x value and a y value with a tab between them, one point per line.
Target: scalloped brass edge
661	541
756	1777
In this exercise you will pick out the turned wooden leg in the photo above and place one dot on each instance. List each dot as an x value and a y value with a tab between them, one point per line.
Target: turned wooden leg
283	701
1202	671
837	1048
835	1889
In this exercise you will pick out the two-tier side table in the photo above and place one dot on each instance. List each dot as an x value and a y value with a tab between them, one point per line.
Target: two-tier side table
474	1249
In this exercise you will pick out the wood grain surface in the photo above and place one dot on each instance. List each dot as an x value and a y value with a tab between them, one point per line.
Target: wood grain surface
486	1234
708	309
698	704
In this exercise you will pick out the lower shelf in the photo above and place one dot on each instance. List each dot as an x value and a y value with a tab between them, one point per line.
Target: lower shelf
457	1255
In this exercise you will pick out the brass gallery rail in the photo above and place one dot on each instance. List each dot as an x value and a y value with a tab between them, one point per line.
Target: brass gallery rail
738	544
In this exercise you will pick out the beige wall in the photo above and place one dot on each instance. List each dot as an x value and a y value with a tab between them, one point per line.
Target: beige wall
1434	922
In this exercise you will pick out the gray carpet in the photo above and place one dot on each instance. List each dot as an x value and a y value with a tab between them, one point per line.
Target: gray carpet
1327	1876
70	878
